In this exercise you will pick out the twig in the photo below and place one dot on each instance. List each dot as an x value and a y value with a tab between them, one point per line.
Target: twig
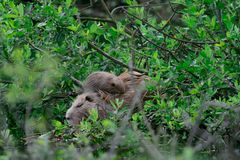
165	34
76	81
58	96
195	127
158	46
132	50
168	21
218	104
107	10
37	48
88	6
219	18
96	19
113	59
145	4
5	81
172	8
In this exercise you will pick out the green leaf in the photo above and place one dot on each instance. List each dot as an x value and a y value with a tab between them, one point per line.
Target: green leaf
13	7
68	3
221	44
41	24
190	21
73	28
194	91
20	9
57	124
93	28
109	125
93	114
17	55
208	1
9	15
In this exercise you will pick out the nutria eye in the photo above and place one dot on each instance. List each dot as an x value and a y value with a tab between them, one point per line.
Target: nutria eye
68	118
79	105
113	84
89	99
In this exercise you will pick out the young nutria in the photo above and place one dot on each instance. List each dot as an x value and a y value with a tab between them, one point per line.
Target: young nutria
133	79
104	81
135	87
81	106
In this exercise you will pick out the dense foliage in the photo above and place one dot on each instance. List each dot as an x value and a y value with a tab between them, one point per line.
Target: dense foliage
189	48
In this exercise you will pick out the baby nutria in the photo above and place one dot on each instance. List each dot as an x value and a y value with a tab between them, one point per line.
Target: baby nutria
135	87
133	79
81	106
104	81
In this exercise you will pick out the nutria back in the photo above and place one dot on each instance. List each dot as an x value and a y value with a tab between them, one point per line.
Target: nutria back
135	87
104	81
133	79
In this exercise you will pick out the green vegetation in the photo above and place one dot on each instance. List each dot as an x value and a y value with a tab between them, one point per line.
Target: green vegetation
189	48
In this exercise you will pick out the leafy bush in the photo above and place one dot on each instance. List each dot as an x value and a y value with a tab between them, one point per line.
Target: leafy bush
192	59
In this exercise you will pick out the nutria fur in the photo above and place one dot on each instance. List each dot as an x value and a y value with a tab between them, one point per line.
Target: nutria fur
133	79
81	106
134	84
104	81
99	93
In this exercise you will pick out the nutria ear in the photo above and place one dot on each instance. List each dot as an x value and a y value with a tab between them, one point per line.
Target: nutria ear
89	98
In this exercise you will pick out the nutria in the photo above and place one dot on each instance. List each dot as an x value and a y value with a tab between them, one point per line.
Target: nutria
133	79
134	84
104	81
81	106
99	93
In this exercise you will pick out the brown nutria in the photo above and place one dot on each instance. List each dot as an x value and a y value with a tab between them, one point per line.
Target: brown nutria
81	106
98	94
104	81
135	88
133	79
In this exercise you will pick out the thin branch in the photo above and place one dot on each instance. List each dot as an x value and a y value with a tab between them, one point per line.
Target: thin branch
172	8
219	18
5	81
96	19
158	46
87	6
165	34
114	59
107	10
37	48
58	96
168	21
132	51
145	4
172	53
79	83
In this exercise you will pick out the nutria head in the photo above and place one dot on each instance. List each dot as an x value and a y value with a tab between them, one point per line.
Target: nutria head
104	81
81	107
83	104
